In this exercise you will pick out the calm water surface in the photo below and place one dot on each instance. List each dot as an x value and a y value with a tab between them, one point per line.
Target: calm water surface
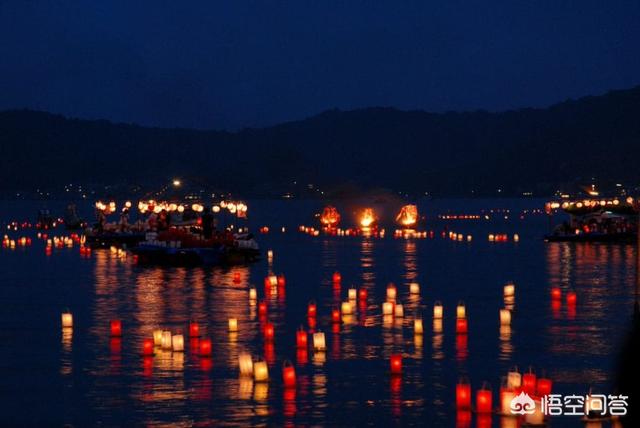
87	378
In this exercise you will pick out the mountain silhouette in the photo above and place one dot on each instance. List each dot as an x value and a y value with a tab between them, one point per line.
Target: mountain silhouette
527	150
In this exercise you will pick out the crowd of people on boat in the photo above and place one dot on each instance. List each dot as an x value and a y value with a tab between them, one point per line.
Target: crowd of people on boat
608	226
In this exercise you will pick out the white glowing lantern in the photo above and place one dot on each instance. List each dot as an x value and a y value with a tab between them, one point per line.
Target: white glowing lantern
260	371
469	238
273	280
516	238
391	292
157	337
514	379
417	326
437	310
509	290
387	308
461	310
245	363
491	238
319	343
346	308
414	288
270	254
505	401
166	340
399	311
180	208
177	343
353	293
233	325
505	317
67	320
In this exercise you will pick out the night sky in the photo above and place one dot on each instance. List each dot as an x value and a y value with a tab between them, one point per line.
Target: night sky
235	64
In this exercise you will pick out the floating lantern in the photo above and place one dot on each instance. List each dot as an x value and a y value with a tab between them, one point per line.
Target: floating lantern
514	379
177	343
336	277
491	238
270	255
362	294
391	292
262	308
335	316
543	386
269	331
396	364
301	339
352	293
116	328
556	293
165	342
233	325
253	294
245	364
260	371
516	238
529	382
387	308
463	395
67	320
398	311
469	238
461	326
461	310
417	326
147	347
571	298
506	395
346	308
205	348
312	309
414	288
157	337
288	375
505	317
194	329
319	343
273	280
437	310
509	290
484	399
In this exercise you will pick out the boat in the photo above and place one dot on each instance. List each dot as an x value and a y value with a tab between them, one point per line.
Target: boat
112	238
72	221
595	220
179	247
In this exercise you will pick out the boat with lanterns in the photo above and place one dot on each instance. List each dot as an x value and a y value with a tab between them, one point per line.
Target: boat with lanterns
595	220
330	217
179	247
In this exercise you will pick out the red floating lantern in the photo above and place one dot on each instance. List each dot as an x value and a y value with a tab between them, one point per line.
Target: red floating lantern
269	331
463	395
205	348
194	329
281	281
529	382
543	386
337	277
461	326
362	294
262	307
288	375
484	400
147	347
236	277
312	310
396	364
335	316
556	293
301	339
571	298
116	328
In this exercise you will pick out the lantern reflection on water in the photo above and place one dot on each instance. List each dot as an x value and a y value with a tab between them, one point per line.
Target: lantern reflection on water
205	348
437	310
387	308
67	320
233	325
461	326
408	216
398	311
414	288
417	326
260	371
177	343
319	343
505	317
147	347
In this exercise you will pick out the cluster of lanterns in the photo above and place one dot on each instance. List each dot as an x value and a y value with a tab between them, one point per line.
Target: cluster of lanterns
453	236
503	237
236	208
459	217
23	241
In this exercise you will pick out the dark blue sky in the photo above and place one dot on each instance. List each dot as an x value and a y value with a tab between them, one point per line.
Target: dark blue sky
227	65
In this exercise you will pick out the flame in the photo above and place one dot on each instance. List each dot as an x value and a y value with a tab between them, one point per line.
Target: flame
368	218
330	216
408	216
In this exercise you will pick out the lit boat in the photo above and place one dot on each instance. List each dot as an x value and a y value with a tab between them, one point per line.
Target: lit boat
407	218
368	219
179	247
595	220
330	217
